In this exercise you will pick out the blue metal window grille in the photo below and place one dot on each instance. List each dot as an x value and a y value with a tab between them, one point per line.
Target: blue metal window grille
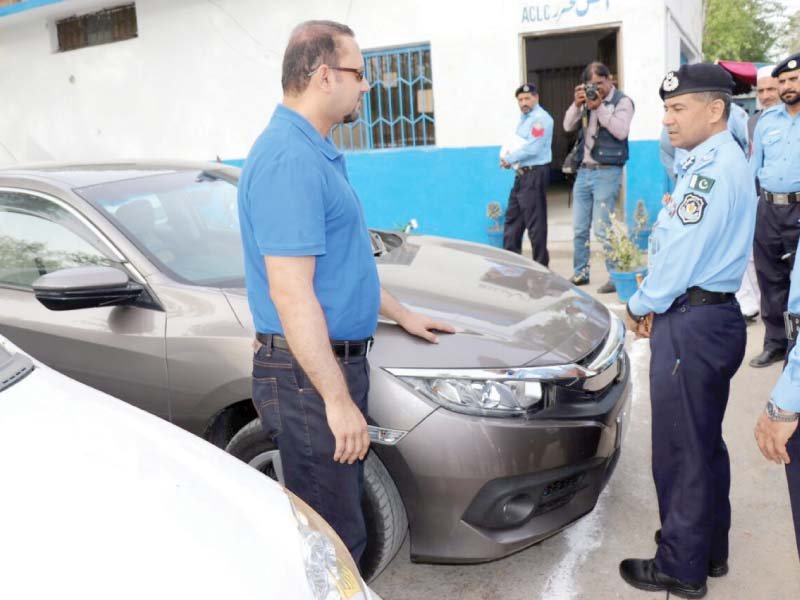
397	111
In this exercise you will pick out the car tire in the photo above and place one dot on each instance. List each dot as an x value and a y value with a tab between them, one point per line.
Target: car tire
384	513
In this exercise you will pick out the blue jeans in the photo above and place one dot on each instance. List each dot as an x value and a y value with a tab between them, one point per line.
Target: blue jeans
293	414
594	197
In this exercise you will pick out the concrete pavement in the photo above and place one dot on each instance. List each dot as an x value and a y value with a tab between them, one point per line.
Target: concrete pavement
582	561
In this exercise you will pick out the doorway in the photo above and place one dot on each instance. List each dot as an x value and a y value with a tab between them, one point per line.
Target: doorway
554	62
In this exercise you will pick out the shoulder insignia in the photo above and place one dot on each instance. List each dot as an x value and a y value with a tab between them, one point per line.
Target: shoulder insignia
691	209
688	162
707	157
700	183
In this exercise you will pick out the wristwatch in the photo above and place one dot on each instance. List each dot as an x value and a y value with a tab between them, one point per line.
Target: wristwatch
636	318
777	414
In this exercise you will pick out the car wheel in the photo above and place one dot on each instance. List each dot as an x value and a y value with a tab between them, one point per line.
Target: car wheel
383	508
385	517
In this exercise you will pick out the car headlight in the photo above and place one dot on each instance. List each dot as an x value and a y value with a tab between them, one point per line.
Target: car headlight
517	391
479	396
330	569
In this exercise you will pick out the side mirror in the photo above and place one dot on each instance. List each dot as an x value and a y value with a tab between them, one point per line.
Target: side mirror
85	287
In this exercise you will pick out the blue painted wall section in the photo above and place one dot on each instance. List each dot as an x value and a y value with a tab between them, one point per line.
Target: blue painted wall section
25	5
645	179
447	189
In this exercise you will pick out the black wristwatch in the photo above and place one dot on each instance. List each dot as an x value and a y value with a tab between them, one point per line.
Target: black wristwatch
636	318
777	414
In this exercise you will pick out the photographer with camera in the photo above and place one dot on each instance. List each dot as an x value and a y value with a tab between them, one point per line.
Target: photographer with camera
602	115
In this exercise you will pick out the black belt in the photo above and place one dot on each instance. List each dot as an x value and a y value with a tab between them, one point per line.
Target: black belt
523	170
593	166
343	348
775	198
700	297
792	324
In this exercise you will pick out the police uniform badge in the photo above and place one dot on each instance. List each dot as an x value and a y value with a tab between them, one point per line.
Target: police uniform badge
671	82
792	64
691	209
700	183
688	162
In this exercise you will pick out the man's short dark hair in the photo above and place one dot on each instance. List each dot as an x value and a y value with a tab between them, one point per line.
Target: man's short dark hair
595	68
709	97
311	44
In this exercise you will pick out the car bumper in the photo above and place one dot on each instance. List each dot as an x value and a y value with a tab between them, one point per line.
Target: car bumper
484	488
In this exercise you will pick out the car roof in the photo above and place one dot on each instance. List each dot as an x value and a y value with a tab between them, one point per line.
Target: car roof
71	175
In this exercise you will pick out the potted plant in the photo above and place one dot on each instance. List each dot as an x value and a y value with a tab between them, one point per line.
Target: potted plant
642	230
494	231
626	258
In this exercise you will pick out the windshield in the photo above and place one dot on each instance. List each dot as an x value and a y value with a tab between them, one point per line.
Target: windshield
186	222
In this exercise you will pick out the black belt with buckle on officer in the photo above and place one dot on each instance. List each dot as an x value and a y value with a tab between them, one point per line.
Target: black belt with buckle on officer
342	348
781	199
523	170
792	324
700	297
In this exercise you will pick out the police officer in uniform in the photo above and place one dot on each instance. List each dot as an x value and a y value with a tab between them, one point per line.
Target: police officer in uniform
698	252
527	203
775	162
776	432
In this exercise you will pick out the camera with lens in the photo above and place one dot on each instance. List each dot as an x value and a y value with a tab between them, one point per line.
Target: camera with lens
591	91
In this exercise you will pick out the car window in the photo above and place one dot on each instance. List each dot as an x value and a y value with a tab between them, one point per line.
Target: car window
38	236
186	222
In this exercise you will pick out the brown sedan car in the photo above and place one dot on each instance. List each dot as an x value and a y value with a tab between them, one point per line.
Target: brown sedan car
129	277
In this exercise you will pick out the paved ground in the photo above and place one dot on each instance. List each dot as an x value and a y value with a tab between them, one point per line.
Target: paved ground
582	561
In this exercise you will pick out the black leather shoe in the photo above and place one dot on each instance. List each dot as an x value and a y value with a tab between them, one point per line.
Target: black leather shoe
716	568
607	288
643	575
579	279
767	357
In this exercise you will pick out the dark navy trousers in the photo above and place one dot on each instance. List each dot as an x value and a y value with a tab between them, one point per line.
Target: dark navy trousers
776	235
793	479
293	414
527	210
695	351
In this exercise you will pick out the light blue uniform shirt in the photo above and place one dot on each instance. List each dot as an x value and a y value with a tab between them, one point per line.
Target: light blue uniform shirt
703	236
787	392
537	128
295	200
776	151
737	125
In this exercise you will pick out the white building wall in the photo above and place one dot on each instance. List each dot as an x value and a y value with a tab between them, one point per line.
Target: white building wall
203	77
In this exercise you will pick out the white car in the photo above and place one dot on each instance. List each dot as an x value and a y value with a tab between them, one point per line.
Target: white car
102	500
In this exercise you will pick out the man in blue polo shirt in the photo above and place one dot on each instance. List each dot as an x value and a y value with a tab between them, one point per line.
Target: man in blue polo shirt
312	283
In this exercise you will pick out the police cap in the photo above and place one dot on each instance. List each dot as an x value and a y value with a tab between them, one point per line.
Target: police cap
787	64
526	88
699	77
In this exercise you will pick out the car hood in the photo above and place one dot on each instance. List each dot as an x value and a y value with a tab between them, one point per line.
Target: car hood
508	311
104	498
